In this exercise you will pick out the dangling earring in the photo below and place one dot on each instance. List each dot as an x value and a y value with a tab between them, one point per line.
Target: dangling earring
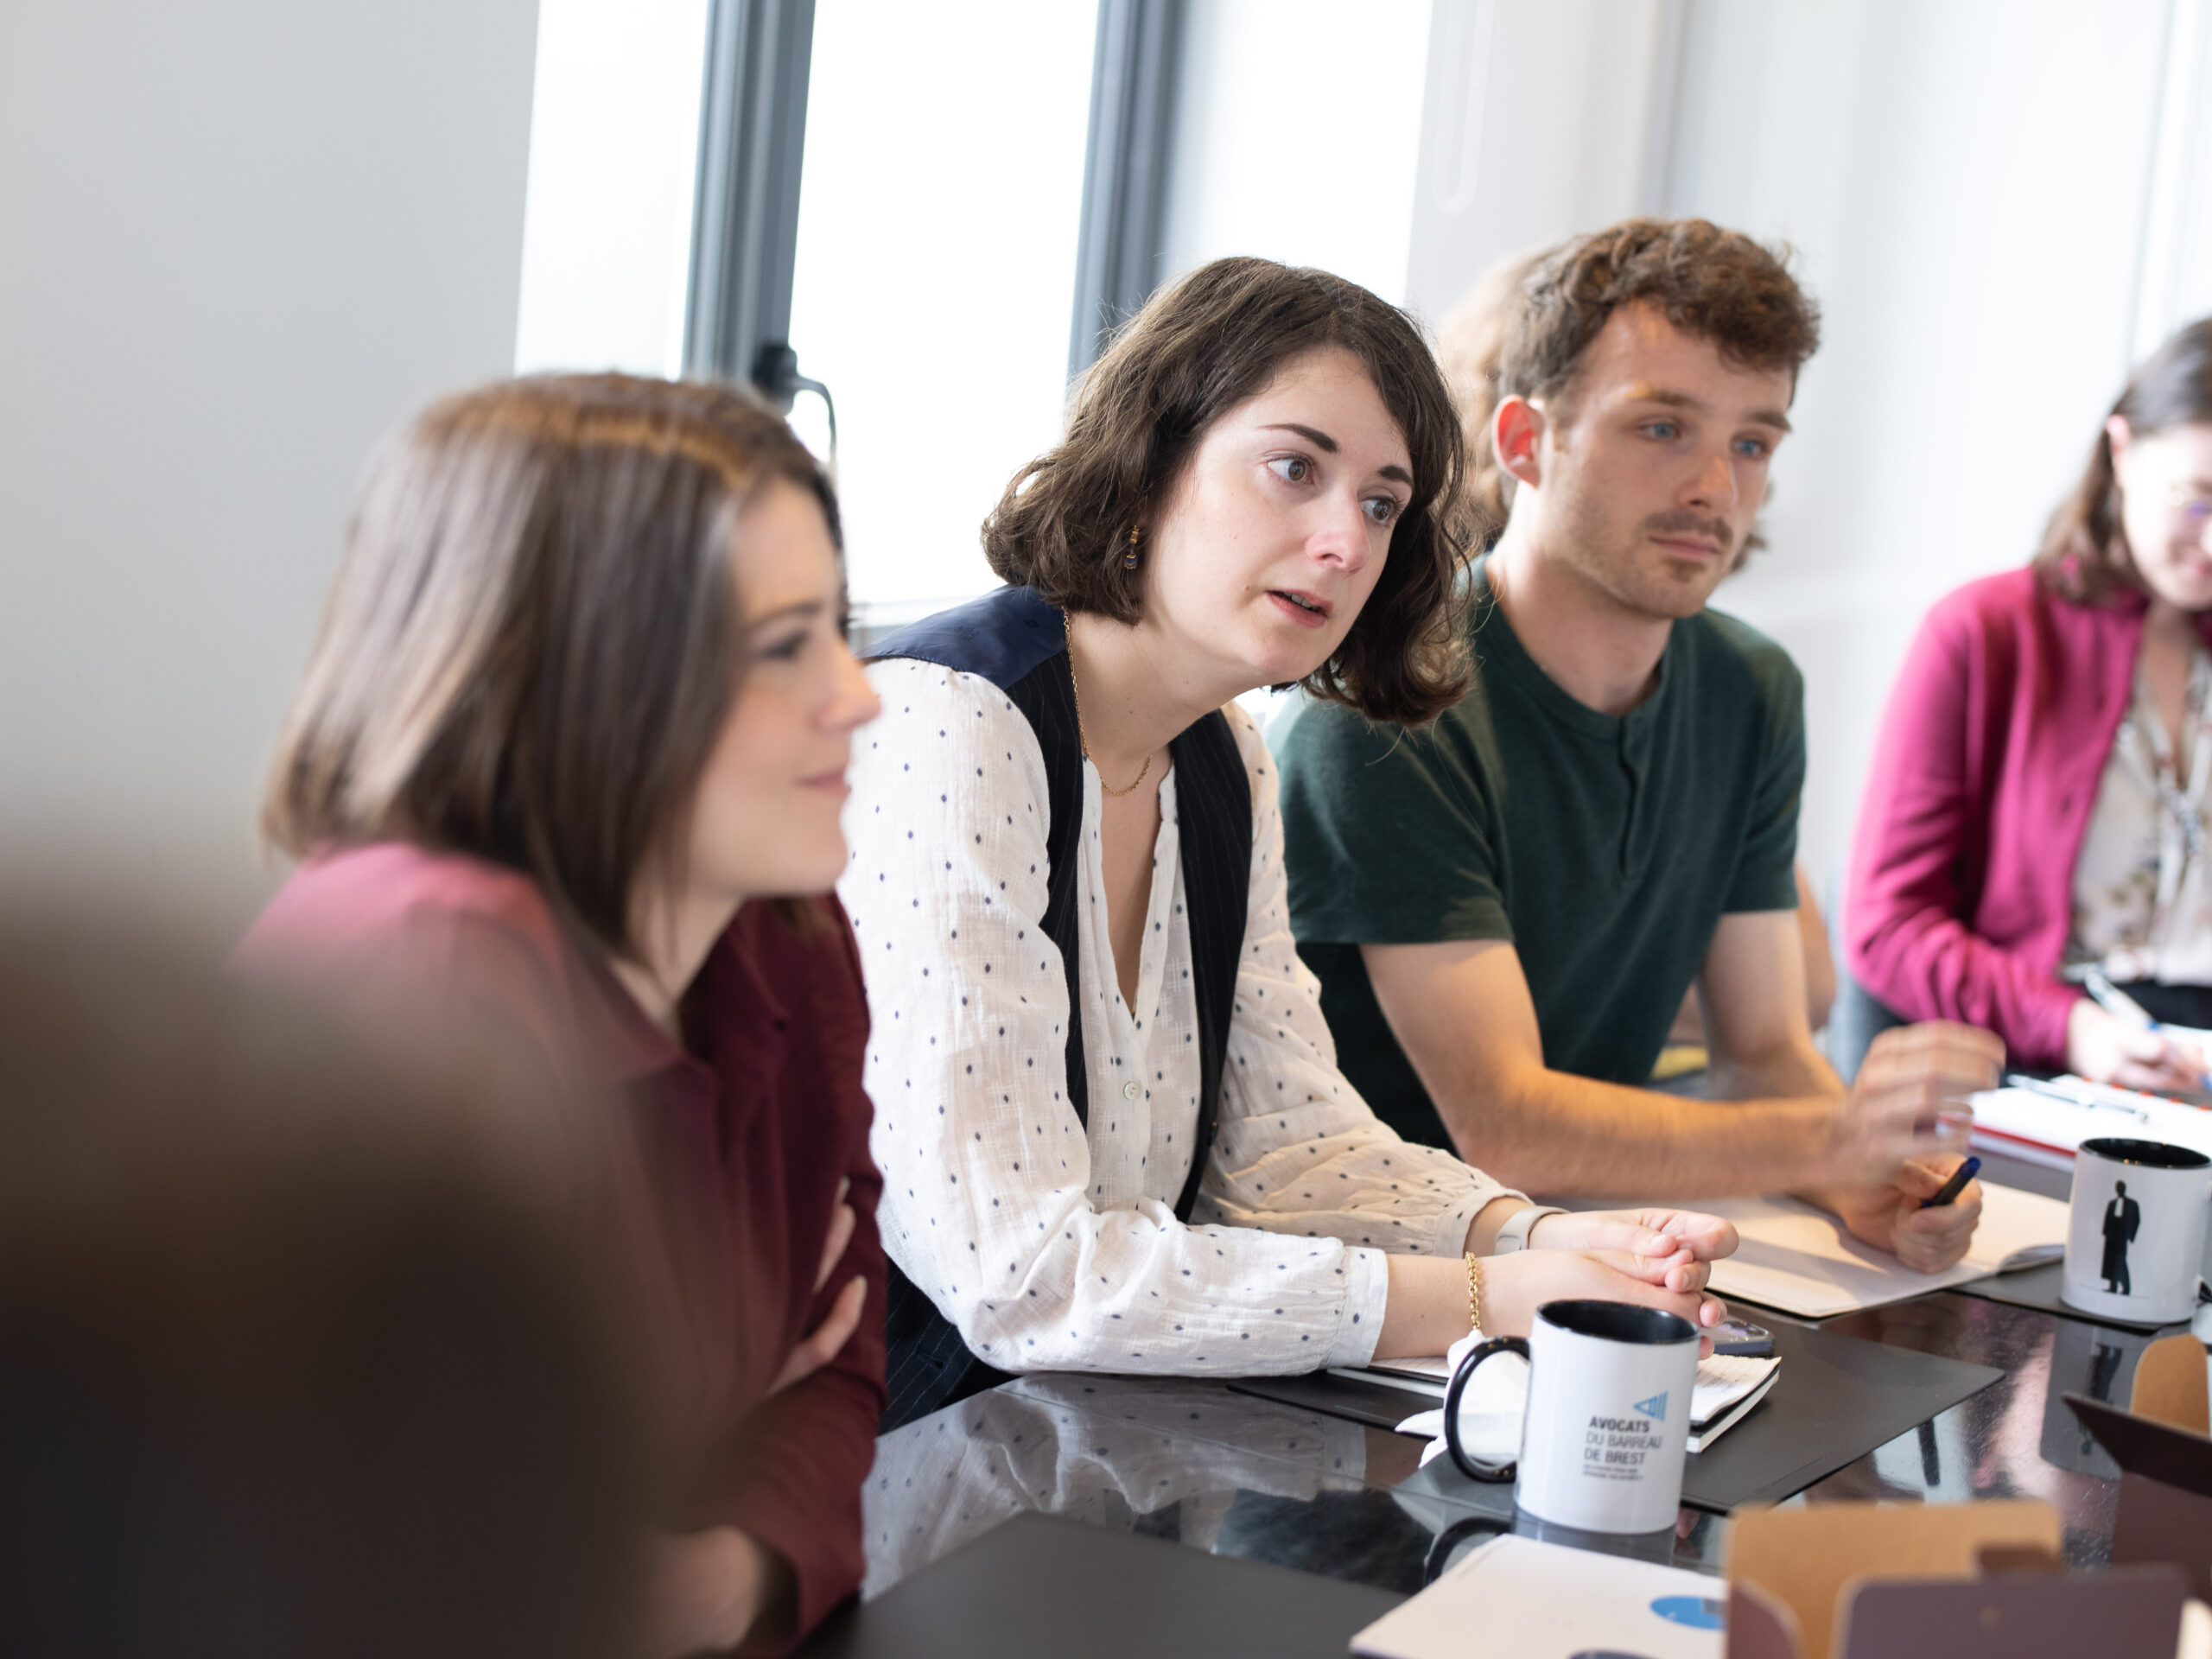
1130	555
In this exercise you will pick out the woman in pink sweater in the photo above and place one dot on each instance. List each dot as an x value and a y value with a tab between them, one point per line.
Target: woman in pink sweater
2037	800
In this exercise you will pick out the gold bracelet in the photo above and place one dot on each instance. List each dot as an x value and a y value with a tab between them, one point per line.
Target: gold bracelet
1474	1294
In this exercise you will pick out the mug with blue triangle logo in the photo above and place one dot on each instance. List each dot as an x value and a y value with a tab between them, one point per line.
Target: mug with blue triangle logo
1607	1427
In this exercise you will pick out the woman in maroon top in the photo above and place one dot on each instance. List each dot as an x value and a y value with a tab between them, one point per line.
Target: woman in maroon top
2038	797
573	737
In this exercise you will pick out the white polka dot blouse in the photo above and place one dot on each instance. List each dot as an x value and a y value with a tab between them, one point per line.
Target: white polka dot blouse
1052	1245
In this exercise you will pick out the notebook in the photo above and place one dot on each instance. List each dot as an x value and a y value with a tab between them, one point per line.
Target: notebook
1535	1600
1728	1386
1799	1259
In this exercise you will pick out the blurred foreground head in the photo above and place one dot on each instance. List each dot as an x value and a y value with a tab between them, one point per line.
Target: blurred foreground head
295	1358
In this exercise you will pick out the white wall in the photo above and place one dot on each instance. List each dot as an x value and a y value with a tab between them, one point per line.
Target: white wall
1540	121
1971	188
2176	275
1977	253
1296	127
244	238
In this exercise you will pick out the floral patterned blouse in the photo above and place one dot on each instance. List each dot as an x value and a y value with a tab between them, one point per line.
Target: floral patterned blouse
2142	906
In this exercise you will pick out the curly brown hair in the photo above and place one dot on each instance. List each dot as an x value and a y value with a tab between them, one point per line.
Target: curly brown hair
2084	555
1718	285
1198	349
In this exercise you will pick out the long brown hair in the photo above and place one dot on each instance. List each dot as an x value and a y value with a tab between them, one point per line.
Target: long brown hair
532	642
2084	555
1197	349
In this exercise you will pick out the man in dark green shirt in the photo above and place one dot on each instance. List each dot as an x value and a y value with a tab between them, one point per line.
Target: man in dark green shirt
1605	848
1506	907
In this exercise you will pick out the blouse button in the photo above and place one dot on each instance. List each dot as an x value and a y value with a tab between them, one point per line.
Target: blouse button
1129	1090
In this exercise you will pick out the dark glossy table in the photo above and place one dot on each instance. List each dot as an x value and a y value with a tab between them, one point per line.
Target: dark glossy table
1191	1461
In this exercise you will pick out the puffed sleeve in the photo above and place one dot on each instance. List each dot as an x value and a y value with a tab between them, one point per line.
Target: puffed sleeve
986	1167
1298	1150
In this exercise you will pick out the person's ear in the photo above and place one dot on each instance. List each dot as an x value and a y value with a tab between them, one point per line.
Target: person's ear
2118	434
1517	432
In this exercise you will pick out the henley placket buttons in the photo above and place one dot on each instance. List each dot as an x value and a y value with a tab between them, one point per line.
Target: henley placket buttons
1129	1090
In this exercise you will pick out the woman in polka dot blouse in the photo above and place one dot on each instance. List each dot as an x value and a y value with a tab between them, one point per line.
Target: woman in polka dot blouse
1108	1118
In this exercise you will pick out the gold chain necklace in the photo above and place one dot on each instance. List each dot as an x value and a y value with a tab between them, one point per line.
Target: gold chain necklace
1083	737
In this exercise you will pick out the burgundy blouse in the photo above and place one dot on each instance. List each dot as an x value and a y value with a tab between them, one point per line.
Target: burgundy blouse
741	1135
1962	878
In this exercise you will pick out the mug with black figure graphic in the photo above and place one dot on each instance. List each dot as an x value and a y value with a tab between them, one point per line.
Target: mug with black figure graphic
1607	1426
2135	1230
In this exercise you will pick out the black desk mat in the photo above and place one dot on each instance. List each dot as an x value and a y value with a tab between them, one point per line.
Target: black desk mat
2038	1287
1042	1585
1837	1398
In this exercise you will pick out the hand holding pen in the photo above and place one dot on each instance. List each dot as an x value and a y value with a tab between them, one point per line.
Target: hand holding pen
1913	1219
2110	1037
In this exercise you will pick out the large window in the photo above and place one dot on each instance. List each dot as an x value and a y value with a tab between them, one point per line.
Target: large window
606	230
939	210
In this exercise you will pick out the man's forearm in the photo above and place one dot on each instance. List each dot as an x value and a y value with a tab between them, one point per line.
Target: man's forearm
1787	1072
1562	1136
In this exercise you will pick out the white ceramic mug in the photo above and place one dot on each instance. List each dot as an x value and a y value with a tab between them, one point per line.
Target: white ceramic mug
1608	1420
2135	1230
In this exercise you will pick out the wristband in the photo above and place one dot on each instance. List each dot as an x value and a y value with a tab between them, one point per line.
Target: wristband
1514	1236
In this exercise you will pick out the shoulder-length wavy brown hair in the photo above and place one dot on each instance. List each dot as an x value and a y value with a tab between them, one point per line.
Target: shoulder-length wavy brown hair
532	641
2084	555
1196	350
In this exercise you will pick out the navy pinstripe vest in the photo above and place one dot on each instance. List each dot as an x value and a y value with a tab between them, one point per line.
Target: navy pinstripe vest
1019	643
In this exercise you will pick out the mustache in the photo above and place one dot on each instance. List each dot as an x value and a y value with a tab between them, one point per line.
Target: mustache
1716	531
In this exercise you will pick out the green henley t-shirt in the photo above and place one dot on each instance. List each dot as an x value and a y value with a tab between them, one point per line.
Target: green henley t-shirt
1606	848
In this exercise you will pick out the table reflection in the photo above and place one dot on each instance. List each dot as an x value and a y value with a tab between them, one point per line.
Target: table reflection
1182	1460
2016	1439
1191	1461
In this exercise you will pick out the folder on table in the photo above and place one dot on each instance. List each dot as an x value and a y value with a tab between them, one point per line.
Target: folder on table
1916	1581
1536	1600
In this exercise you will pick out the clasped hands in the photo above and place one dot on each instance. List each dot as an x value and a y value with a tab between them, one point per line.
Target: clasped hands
1655	1257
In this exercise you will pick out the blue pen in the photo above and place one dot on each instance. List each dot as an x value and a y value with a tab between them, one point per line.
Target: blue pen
1952	1188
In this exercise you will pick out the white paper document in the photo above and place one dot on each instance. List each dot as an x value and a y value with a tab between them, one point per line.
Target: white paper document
2027	1122
1545	1601
1800	1260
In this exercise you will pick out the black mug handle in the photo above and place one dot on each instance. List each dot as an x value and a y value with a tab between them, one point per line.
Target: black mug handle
1441	1546
1473	1471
